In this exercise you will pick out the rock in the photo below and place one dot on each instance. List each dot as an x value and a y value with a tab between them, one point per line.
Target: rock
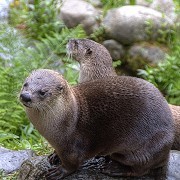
142	54
129	24
35	168
166	7
115	49
4	9
174	166
11	160
74	12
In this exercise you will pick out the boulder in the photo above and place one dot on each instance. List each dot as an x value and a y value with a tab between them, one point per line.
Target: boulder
4	9
115	49
130	24
75	12
11	160
166	7
141	54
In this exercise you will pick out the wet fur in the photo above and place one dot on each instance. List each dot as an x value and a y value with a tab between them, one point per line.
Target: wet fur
101	118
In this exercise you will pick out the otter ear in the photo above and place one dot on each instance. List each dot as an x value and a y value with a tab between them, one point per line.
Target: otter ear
88	51
59	87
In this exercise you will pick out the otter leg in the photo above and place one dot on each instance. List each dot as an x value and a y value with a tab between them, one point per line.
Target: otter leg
115	169
57	173
70	163
135	165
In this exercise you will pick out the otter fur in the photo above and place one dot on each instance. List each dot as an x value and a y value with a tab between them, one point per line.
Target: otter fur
124	117
94	59
176	117
96	62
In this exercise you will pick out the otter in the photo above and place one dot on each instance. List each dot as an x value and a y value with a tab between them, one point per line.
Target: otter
75	121
176	117
94	59
96	62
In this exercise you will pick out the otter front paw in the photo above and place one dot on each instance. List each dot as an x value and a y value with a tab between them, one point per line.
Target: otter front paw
57	173
54	159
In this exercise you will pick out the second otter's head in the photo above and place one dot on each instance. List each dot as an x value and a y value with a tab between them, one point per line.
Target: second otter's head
88	52
42	87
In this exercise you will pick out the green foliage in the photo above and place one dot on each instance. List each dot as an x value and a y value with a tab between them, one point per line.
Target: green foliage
166	76
109	4
40	18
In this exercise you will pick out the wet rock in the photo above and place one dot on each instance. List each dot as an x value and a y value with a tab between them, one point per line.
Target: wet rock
11	160
115	49
142	54
35	168
129	24
74	12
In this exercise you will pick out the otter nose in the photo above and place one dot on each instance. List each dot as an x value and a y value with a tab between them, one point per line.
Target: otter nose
25	97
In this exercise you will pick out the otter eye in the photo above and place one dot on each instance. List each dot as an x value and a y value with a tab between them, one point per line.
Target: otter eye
41	92
88	51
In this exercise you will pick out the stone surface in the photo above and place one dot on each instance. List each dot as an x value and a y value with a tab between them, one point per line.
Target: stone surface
11	160
141	54
129	24
4	9
74	12
166	7
115	49
35	168
174	166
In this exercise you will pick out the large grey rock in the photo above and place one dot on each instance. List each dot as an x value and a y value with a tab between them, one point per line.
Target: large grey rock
174	166
141	54
115	49
4	9
129	24
35	168
166	7
74	12
11	160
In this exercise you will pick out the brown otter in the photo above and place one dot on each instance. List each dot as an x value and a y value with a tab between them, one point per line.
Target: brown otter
75	121
96	62
176	117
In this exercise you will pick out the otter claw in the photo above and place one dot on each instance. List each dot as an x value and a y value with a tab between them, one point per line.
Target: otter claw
54	159
56	173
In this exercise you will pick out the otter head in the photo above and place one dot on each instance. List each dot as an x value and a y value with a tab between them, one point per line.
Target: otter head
43	87
86	51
